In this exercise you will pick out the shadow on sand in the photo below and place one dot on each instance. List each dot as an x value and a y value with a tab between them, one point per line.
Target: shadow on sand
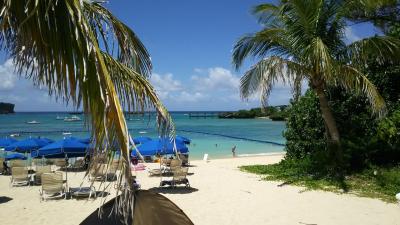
173	190
5	199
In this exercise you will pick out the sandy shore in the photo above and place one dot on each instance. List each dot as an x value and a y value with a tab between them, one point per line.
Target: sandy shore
221	195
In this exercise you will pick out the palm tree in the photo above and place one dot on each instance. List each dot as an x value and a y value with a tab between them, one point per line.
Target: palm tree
85	56
304	39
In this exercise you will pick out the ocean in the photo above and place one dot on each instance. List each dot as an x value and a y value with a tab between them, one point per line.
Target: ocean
210	135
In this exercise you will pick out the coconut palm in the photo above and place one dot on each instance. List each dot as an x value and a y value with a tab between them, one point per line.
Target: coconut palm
85	56
304	39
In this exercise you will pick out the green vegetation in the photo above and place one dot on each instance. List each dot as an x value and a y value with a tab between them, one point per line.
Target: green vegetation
365	158
278	113
384	185
6	108
303	39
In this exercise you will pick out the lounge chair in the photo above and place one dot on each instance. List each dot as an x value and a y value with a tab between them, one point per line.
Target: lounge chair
18	163
2	169
19	176
37	162
79	164
155	172
111	172
184	158
52	186
98	172
60	162
179	177
165	162
83	192
175	163
39	171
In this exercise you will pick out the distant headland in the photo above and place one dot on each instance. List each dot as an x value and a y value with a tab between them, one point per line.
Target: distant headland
6	108
276	113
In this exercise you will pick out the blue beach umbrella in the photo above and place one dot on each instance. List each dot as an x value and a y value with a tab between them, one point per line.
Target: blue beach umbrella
67	146
28	144
160	146
182	139
15	156
4	142
85	140
141	140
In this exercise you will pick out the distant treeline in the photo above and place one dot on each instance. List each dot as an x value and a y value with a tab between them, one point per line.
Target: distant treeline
277	113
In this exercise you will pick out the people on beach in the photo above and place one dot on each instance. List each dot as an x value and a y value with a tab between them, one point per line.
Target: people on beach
6	168
234	151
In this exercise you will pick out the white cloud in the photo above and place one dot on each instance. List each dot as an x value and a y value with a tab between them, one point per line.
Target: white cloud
217	78
198	70
214	88
13	98
7	75
191	97
350	35
211	88
165	82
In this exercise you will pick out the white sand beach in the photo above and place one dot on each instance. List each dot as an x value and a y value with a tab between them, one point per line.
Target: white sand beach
221	195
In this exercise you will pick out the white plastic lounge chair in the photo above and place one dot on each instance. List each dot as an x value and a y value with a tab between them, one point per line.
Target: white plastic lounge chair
19	176
60	162
179	177
111	172
184	158
78	165
2	169
52	186
83	192
18	163
98	173
166	162
155	172
39	171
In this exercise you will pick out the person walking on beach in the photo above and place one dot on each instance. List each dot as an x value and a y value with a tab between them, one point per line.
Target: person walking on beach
234	151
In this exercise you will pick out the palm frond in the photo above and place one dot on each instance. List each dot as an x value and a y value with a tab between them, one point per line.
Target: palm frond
380	49
130	50
267	13
136	92
262	76
319	56
57	44
353	80
258	45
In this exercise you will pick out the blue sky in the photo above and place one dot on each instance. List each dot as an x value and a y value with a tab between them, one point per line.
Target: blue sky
190	42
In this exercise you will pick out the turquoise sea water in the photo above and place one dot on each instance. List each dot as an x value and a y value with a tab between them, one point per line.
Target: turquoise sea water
209	135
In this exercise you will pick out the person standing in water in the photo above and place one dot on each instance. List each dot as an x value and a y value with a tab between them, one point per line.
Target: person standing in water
234	151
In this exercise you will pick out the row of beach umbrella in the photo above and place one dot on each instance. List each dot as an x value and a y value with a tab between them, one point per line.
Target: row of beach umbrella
74	147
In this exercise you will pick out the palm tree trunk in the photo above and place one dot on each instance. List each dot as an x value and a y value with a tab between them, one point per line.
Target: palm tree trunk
327	115
333	136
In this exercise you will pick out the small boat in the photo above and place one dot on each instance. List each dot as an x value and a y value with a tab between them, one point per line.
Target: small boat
33	122
142	132
15	135
66	133
72	119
